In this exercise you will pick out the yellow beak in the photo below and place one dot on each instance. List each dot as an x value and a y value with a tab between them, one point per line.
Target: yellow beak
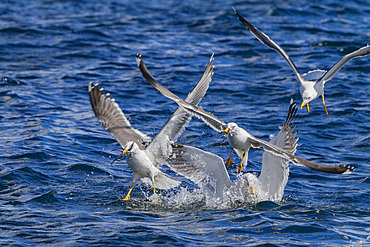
304	103
124	151
226	130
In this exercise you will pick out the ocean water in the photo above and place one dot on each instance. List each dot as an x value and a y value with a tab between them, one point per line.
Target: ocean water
57	184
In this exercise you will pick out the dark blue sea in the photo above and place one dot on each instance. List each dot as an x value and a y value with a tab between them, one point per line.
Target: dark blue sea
57	184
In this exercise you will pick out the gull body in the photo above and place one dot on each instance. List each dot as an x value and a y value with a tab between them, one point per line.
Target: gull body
311	83
244	137
144	168
142	154
240	141
140	162
238	138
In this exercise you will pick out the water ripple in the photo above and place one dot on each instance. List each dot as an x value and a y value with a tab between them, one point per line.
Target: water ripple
56	182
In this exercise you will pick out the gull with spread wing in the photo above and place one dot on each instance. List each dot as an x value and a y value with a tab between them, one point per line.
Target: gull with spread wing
239	139
208	171
311	83
143	155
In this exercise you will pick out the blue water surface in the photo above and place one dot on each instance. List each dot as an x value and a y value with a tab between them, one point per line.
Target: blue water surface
57	186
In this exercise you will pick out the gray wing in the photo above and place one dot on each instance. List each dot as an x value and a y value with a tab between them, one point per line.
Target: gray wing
207	117
196	95
336	169
174	127
364	51
275	170
288	154
205	169
314	75
263	38
112	118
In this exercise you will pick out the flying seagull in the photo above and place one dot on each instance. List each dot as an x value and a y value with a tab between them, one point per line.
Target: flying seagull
312	83
143	155
239	139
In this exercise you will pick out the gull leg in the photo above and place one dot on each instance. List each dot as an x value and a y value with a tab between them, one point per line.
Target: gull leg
308	108
228	161
253	191
241	163
128	194
323	102
153	184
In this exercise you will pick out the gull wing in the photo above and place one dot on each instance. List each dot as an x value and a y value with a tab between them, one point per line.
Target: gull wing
364	51
336	169
263	38
287	154
207	117
196	95
314	75
205	169
275	170
112	118
174	127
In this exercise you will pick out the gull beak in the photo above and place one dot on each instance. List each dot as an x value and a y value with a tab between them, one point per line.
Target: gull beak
304	103
124	151
224	133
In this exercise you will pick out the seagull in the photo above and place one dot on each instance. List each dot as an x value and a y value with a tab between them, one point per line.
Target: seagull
311	83
239	139
143	154
208	170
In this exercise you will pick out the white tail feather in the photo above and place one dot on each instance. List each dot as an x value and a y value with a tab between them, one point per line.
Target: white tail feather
164	182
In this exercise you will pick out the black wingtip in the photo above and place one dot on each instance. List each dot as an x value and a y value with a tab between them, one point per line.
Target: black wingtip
248	25
292	113
345	169
238	15
350	168
93	86
138	59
